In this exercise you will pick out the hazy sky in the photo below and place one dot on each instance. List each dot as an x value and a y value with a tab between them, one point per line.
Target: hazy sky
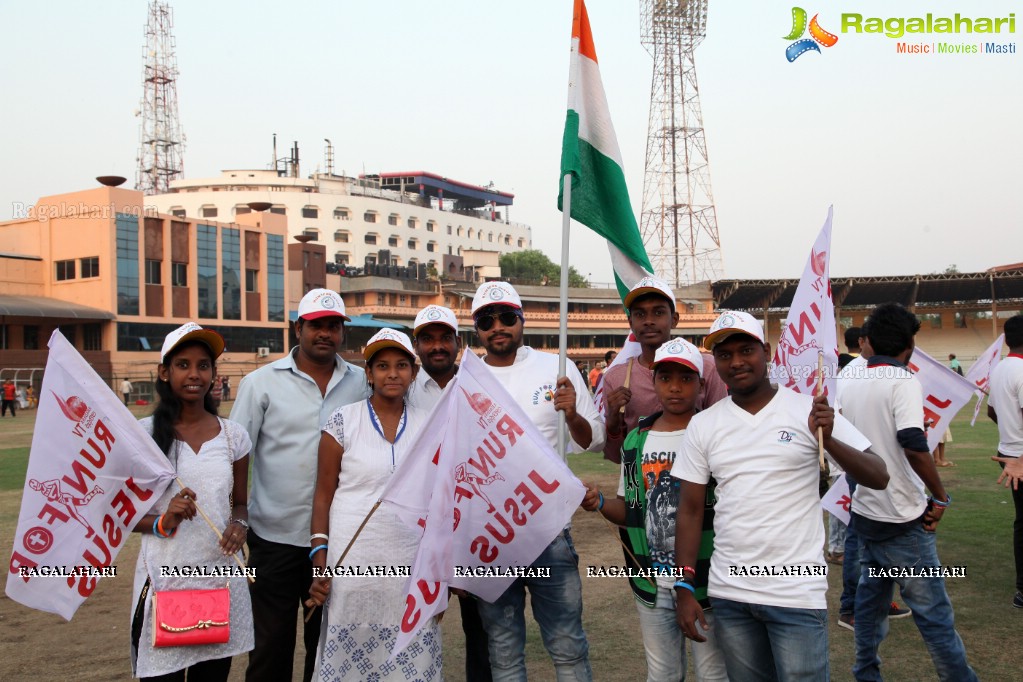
920	154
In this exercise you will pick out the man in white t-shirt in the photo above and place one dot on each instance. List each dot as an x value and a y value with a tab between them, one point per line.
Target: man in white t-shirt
768	577
1005	407
435	339
896	526
531	377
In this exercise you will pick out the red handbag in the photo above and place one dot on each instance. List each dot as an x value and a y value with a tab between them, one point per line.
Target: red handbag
188	617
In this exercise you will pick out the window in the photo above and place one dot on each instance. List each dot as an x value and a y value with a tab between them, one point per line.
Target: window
153	272
342	258
342	236
413	224
461	231
30	337
431	225
522	242
393	219
392	241
178	212
231	271
242	210
127	264
65	270
179	274
341	213
279	210
960	321
92	334
312	233
208	211
490	236
206	241
431	246
450	250
472	233
507	240
274	278
371	239
449	229
90	267
413	244
370	216
251	280
310	212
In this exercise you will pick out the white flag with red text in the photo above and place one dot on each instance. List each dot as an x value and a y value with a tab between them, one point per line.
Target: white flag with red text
93	472
630	349
980	372
838	501
810	326
945	393
488	489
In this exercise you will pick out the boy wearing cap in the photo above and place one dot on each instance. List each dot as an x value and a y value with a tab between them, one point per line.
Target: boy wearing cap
282	405
531	377
651	309
896	526
645	508
768	577
436	342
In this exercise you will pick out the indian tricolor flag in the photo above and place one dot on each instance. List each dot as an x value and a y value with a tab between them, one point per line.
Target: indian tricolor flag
598	198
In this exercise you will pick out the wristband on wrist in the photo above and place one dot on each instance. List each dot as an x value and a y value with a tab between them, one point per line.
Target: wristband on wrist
318	536
939	503
688	569
685	585
316	549
156	521
241	522
161	532
600	505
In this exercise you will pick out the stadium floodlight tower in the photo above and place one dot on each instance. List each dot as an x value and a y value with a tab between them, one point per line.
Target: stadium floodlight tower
679	223
161	142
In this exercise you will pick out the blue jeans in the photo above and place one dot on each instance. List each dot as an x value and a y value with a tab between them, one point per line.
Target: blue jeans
913	547
557	607
767	643
665	645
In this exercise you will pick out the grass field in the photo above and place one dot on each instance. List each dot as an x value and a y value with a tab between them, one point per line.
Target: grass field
976	533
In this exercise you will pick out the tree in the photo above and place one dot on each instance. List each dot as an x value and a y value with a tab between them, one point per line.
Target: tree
534	267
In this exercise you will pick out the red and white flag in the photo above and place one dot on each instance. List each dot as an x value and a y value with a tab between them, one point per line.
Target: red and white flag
93	472
945	393
631	349
980	373
838	500
810	326
488	489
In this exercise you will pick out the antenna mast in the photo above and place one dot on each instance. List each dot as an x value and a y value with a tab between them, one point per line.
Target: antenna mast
161	143
679	223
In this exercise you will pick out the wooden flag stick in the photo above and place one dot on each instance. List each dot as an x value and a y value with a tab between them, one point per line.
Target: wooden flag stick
820	386
309	602
626	547
628	378
216	530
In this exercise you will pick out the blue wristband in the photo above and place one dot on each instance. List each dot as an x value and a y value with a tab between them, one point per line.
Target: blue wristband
683	583
938	503
316	549
601	504
156	521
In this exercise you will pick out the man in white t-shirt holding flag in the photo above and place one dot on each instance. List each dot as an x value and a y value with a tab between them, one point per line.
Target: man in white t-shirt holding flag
897	525
93	473
768	577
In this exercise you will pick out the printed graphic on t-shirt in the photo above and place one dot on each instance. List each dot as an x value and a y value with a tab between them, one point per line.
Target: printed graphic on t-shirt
662	492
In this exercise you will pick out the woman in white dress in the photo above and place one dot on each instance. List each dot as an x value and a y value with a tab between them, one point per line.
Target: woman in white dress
210	456
360	447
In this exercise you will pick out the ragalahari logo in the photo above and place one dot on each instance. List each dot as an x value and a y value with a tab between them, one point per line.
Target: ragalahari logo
818	261
818	36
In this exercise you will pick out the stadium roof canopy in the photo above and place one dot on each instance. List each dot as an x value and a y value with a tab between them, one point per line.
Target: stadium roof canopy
999	285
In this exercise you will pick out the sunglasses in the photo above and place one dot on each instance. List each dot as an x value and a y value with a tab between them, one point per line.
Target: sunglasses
507	318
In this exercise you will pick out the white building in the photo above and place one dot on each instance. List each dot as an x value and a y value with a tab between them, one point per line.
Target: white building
411	219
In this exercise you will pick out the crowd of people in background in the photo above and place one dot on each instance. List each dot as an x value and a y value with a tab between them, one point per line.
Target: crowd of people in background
696	434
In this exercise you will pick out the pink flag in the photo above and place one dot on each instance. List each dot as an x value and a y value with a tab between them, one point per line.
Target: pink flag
945	393
980	373
810	326
488	490
93	472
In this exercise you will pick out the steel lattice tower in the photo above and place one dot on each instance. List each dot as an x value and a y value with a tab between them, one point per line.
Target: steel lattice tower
679	223
161	143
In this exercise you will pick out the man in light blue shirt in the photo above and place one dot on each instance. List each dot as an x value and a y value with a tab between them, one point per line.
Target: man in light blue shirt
283	406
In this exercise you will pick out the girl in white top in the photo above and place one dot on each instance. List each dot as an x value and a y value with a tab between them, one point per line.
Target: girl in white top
360	447
210	456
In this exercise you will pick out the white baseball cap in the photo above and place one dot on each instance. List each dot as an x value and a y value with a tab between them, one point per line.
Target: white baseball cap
190	331
650	285
434	314
495	293
388	338
322	303
680	351
733	322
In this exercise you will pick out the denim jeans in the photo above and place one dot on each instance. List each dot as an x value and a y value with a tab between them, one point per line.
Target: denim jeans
557	607
836	535
932	611
767	643
665	645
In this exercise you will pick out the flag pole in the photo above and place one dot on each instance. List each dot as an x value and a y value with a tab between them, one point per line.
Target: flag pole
566	221
820	385
216	530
